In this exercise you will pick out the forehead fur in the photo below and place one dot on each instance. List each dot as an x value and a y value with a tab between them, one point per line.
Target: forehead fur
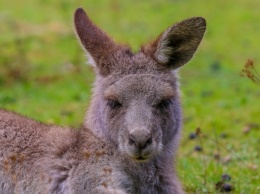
139	85
137	66
124	62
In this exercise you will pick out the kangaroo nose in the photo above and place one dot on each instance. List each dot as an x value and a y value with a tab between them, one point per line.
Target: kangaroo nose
140	141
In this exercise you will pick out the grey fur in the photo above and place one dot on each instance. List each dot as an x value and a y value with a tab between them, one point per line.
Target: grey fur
131	131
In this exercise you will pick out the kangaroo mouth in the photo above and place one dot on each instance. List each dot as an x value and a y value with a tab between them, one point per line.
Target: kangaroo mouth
141	159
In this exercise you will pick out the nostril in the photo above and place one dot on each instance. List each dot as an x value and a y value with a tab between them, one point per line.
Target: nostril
148	142
141	143
131	140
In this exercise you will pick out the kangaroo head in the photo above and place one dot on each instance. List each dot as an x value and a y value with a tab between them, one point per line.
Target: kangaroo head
135	104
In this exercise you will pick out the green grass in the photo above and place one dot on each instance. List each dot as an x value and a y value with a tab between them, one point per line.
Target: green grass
43	74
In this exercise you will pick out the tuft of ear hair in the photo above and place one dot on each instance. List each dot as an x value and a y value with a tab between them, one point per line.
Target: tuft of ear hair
178	43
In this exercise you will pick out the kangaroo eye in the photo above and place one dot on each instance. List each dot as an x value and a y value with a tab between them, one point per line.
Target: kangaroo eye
114	104
164	103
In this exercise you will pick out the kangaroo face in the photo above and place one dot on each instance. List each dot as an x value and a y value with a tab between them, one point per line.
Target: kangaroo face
142	113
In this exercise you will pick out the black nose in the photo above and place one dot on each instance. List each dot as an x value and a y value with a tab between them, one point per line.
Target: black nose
140	142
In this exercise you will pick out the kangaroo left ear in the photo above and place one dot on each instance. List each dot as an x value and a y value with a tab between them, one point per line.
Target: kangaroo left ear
177	44
97	44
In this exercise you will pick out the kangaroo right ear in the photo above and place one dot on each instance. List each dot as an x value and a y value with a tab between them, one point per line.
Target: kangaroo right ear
177	44
97	44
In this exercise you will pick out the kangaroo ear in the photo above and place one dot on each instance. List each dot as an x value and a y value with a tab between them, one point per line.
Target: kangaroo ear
97	44
177	44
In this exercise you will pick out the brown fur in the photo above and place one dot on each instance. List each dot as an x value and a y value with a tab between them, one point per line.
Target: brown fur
131	131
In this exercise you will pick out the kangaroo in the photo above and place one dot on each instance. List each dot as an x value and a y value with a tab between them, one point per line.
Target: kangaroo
130	135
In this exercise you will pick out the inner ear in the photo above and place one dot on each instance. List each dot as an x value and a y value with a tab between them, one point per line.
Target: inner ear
177	44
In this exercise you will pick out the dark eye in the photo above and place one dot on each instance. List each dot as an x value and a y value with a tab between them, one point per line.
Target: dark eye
114	104
163	104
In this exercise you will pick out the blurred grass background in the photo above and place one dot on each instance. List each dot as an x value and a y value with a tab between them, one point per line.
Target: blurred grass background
43	74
